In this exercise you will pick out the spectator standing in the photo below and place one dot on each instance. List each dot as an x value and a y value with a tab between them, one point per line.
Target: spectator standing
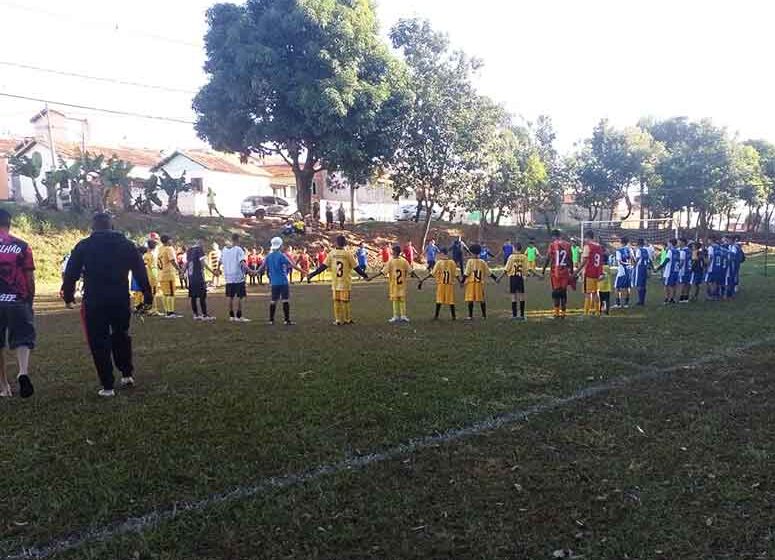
507	250
329	216
362	256
235	266
105	259
214	262
211	207
410	253
431	252
253	264
384	253
196	264
316	212
17	293
341	215
458	246
321	258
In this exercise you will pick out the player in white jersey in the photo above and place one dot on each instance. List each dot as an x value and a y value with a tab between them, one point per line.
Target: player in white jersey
623	261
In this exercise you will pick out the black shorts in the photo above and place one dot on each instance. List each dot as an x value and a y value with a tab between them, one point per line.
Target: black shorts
517	284
281	292
236	290
17	326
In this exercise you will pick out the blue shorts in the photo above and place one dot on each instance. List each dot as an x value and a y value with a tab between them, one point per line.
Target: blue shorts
671	280
686	278
623	282
696	278
714	276
281	292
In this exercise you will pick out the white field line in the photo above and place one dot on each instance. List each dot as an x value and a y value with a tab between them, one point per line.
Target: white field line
151	519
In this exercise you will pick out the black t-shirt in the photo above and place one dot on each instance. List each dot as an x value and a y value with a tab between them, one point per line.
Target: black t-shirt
194	266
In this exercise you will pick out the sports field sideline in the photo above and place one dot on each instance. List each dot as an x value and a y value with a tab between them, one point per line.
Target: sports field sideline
676	463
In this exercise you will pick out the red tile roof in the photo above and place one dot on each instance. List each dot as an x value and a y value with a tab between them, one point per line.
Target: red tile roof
139	157
8	145
216	161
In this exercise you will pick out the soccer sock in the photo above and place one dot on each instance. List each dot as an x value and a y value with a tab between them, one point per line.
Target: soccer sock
348	312
203	305
193	307
402	308
239	313
170	304
272	311
470	308
618	301
483	305
522	308
452	311
287	311
586	305
438	310
396	309
337	314
626	300
513	308
231	313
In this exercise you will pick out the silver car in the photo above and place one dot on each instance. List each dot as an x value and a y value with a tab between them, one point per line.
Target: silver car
263	206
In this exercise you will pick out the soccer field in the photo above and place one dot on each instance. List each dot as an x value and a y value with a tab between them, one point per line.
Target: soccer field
647	434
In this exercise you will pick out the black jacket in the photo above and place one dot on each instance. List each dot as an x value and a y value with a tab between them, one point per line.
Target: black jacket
105	259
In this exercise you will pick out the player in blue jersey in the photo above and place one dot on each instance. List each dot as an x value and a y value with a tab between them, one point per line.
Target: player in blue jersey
684	270
714	275
642	265
697	269
670	267
727	287
623	260
736	259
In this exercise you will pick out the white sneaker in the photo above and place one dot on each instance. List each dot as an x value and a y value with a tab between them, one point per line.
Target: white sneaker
208	319
394	320
173	316
244	320
198	318
127	381
107	393
404	319
232	319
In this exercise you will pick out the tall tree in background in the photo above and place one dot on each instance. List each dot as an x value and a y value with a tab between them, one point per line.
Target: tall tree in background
434	148
762	200
308	80
29	167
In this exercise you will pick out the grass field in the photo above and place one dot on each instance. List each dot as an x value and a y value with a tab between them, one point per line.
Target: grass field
665	449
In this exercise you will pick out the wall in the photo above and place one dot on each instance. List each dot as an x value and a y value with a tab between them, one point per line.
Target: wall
5	180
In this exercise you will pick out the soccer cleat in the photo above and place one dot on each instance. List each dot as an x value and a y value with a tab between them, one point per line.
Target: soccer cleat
338	323
6	392
244	320
26	390
197	318
207	319
173	316
469	318
233	319
394	320
616	306
405	319
106	393
128	382
270	323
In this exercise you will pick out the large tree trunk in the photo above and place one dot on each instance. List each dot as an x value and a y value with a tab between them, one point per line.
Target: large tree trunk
172	204
353	190
426	228
304	190
38	197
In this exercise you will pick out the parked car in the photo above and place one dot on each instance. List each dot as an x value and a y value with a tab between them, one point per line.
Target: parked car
263	206
408	212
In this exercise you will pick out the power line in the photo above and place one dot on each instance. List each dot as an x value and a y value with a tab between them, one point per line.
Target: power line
95	78
94	23
98	109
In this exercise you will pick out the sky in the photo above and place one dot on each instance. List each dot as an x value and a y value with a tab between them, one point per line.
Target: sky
577	61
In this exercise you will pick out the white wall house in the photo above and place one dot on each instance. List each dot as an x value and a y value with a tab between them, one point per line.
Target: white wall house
231	180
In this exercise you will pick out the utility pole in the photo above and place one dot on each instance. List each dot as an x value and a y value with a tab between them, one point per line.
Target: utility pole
53	151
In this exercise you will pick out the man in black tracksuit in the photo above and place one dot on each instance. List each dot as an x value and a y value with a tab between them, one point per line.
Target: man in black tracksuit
105	260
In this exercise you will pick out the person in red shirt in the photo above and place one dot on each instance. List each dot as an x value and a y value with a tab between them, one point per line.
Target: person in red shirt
561	262
17	292
253	264
321	258
304	262
410	253
292	258
592	267
384	253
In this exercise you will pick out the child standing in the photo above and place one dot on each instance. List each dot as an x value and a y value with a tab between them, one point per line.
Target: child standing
474	277
516	266
397	270
444	272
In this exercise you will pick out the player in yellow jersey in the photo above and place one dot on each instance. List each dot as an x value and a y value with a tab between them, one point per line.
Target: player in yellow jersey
517	267
151	262
445	273
474	276
342	264
168	275
397	270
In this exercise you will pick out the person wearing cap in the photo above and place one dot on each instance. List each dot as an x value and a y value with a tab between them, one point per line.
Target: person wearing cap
105	259
278	266
17	287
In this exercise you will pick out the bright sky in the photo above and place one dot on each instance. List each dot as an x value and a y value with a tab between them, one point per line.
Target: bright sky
575	60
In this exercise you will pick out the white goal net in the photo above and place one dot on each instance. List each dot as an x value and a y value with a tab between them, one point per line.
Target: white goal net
653	232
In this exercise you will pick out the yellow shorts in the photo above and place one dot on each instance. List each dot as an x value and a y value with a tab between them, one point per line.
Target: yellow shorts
531	265
167	288
397	297
591	285
445	295
474	292
342	295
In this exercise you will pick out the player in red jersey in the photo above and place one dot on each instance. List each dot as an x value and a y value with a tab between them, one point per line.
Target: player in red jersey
559	258
592	266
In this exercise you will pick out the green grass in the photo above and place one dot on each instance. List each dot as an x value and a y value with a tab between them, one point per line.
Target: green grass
224	405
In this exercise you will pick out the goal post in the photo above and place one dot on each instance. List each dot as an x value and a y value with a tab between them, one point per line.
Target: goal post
654	232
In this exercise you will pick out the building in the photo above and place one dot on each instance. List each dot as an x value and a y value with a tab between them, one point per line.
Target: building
230	179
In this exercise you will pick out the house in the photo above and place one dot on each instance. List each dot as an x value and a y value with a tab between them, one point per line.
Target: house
7	148
230	179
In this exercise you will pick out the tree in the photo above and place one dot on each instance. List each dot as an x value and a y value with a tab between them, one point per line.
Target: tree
308	80
434	150
548	195
764	196
115	177
170	185
29	167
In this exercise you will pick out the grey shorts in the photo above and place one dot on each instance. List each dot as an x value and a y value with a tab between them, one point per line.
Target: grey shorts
17	326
